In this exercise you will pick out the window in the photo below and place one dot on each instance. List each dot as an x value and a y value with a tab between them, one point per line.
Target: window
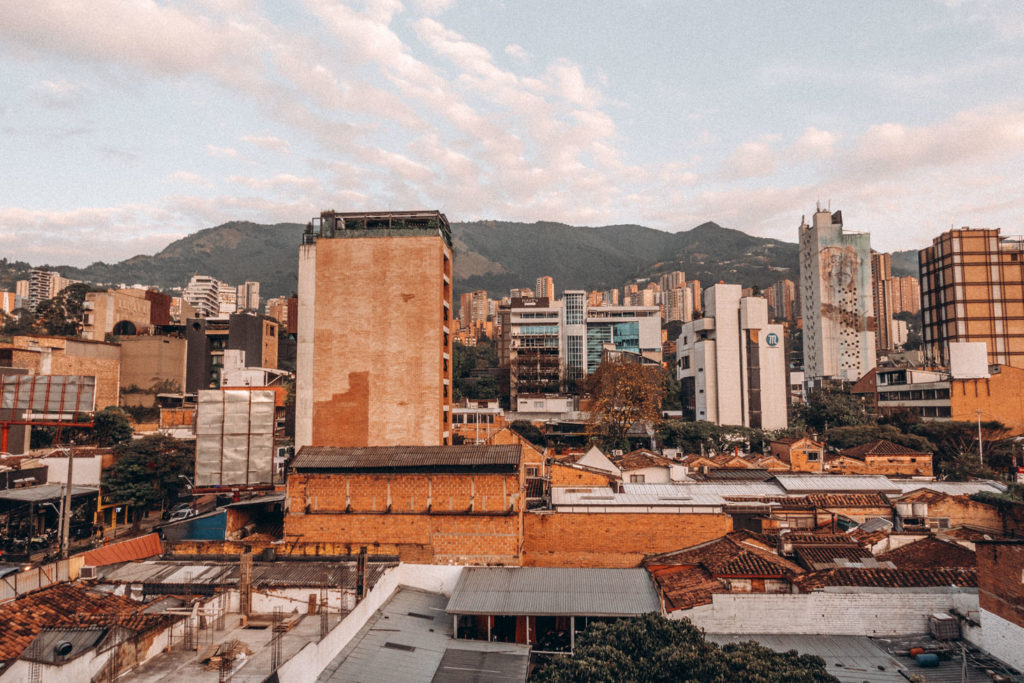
812	456
532	472
685	362
636	479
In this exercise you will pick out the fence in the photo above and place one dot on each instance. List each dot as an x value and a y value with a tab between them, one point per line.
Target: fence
14	585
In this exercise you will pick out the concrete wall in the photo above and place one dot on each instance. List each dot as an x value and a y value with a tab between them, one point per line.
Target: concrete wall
1001	638
849	611
147	361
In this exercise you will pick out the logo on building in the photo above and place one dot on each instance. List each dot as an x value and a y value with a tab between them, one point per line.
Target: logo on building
772	339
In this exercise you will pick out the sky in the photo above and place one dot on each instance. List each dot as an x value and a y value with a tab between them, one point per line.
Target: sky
127	124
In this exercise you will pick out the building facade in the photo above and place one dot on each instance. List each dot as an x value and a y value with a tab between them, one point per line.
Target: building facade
550	346
972	290
545	287
367	374
203	293
732	363
836	302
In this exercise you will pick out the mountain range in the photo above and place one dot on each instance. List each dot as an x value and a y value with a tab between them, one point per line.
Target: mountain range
490	255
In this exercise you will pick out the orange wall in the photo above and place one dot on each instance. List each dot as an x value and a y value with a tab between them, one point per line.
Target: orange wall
999	397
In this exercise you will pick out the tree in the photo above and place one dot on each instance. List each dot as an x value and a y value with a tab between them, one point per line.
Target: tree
63	314
623	394
826	408
110	426
673	392
528	431
653	648
842	438
956	447
708	437
147	472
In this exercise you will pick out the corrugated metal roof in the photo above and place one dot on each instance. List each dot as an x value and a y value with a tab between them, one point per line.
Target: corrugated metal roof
37	494
724	489
835	483
407	640
953	488
543	591
264	574
599	497
126	551
401	457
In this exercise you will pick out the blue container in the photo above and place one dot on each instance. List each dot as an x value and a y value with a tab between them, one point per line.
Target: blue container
928	661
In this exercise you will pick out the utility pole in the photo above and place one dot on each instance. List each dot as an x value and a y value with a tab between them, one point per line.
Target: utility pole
65	517
981	461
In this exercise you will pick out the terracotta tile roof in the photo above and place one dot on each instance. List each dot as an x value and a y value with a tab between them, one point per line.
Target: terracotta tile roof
931	553
802	538
848	500
685	586
731	460
880	447
888	578
730	556
68	605
972	534
924	496
814	556
131	550
639	459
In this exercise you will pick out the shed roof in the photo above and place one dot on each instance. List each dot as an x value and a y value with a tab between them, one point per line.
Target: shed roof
406	457
126	551
550	591
45	492
835	483
880	447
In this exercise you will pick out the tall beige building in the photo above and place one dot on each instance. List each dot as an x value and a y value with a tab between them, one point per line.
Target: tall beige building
883	289
369	374
545	287
972	290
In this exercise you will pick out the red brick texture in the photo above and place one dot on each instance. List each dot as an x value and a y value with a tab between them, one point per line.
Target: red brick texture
1001	579
613	539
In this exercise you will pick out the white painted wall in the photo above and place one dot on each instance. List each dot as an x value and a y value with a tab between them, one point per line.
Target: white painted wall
860	611
1001	638
304	347
87	470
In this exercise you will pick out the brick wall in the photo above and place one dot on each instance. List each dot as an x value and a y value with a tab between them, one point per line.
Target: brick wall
564	475
906	465
560	539
1001	579
433	518
962	511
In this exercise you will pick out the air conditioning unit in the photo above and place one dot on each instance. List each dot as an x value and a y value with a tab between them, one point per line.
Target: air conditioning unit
87	573
617	452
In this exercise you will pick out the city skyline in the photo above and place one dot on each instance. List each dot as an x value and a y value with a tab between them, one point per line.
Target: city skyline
654	114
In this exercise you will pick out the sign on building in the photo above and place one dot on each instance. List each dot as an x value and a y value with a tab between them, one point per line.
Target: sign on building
234	438
47	397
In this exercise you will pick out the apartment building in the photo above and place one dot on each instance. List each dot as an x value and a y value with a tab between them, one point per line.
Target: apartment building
45	284
209	338
836	300
247	296
203	293
732	363
548	346
972	290
545	287
371	374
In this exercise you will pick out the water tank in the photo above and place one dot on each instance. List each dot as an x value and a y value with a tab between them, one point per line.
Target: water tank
904	509
920	509
928	661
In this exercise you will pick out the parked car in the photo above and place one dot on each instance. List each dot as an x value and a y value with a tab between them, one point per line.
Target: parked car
182	514
176	508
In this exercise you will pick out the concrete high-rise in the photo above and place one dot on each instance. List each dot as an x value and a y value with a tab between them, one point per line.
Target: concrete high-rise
545	288
835	297
731	364
972	290
883	290
203	293
369	374
247	296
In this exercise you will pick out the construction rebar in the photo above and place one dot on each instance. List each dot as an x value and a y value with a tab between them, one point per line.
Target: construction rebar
323	613
275	639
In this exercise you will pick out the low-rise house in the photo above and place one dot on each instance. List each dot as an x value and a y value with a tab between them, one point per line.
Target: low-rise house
802	455
929	509
890	459
646	467
931	552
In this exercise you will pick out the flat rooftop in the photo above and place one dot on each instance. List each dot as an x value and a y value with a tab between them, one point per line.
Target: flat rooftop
409	640
408	458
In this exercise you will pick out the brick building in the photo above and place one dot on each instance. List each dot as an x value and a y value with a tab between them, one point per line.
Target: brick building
375	370
802	455
429	504
1001	599
887	458
42	355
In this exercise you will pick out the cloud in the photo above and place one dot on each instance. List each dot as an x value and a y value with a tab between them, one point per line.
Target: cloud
58	94
268	142
752	159
814	144
517	52
434	7
221	152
